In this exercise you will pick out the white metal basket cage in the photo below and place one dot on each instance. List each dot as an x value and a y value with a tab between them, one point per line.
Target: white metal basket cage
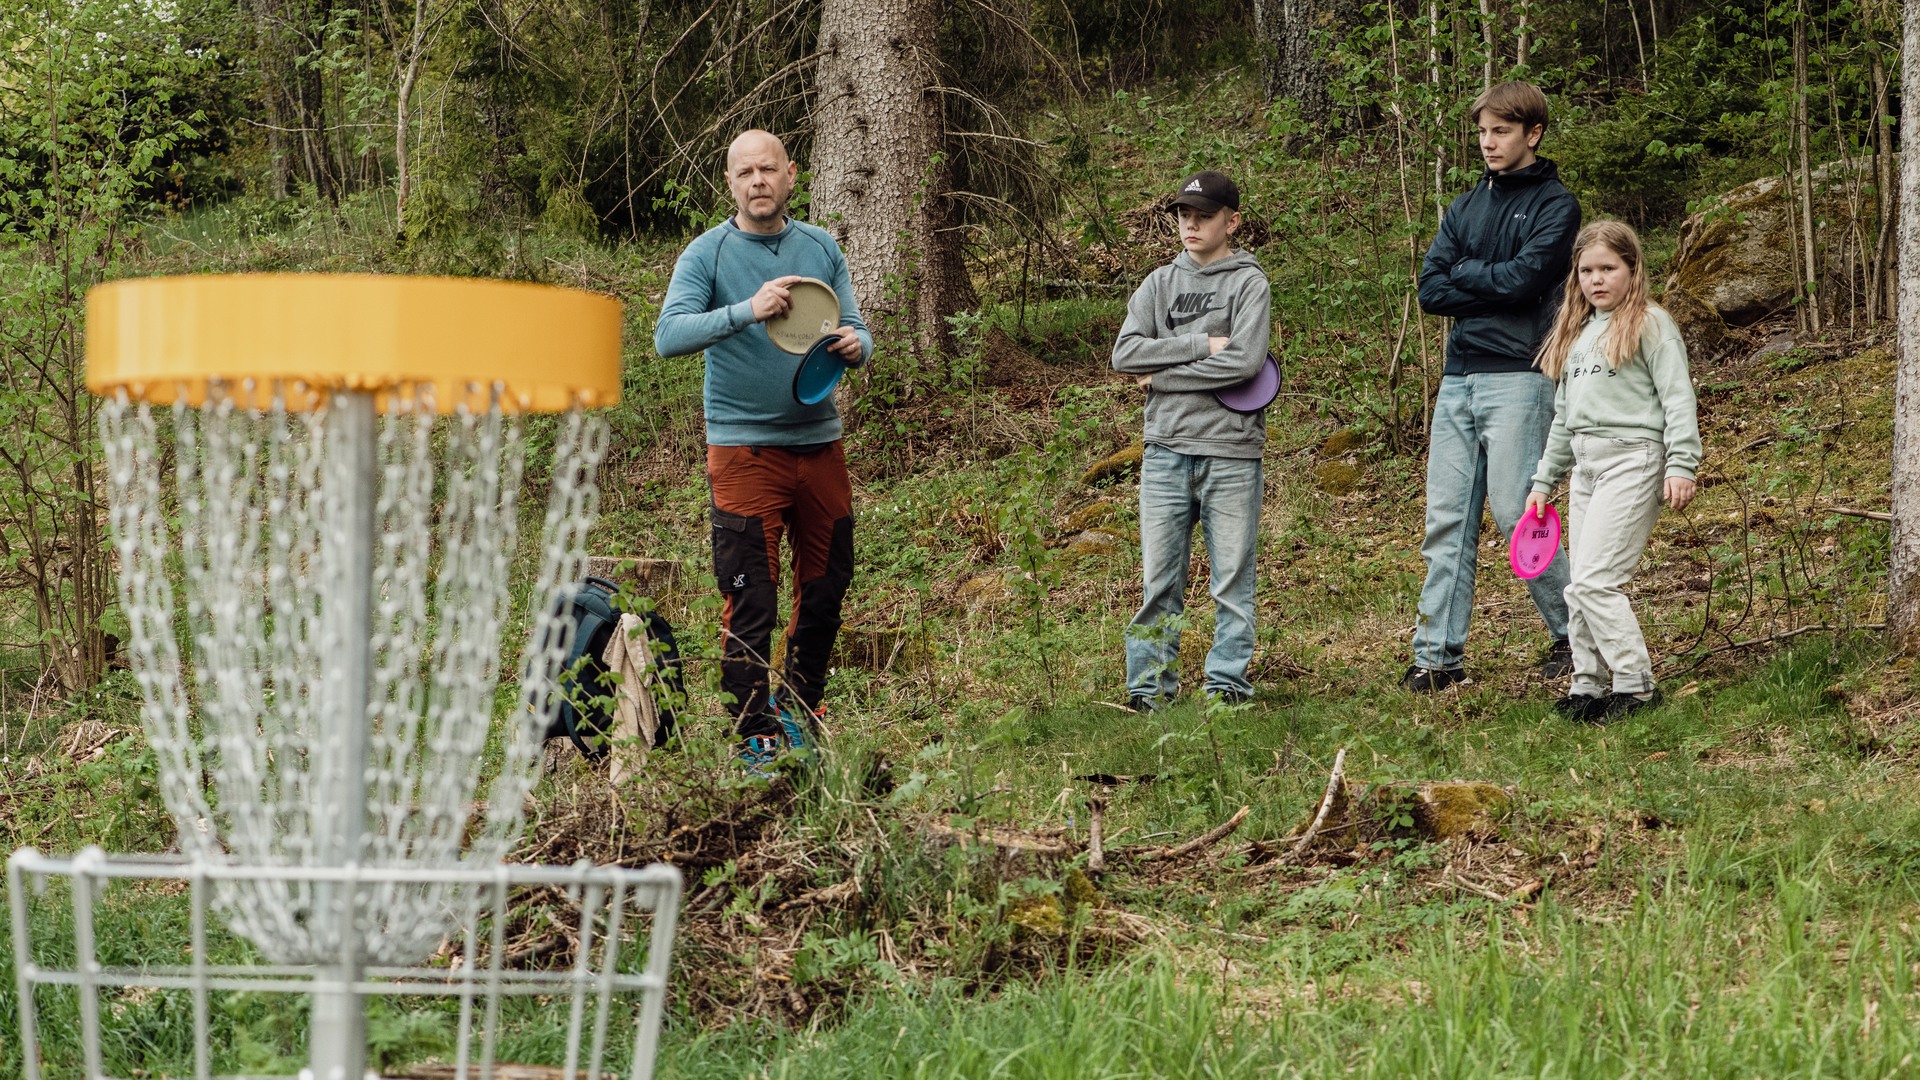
620	932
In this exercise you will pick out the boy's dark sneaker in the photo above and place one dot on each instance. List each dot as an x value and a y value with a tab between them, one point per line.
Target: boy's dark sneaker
1580	708
1559	661
757	754
1422	680
1230	697
1621	706
1141	703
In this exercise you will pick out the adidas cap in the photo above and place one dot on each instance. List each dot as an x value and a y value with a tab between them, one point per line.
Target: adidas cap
1208	191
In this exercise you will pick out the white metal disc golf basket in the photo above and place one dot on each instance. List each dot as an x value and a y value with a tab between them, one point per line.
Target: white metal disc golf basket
345	473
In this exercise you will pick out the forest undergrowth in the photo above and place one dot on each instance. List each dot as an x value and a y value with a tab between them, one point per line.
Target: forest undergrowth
1722	886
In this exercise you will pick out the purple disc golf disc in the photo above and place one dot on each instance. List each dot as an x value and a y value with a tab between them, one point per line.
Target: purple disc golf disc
1256	393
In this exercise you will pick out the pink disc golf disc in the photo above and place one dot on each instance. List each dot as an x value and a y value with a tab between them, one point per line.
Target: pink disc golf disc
1535	541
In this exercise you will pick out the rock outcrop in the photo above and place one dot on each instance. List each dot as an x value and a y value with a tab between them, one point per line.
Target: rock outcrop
1736	257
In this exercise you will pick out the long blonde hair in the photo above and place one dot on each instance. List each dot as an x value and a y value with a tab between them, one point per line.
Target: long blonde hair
1629	315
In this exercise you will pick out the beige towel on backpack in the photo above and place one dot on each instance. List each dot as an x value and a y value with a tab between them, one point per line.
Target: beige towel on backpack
629	652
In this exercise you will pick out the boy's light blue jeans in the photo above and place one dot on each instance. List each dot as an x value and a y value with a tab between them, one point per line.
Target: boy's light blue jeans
1488	433
1223	495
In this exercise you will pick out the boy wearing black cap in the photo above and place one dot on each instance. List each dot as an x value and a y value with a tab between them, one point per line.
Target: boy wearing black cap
1197	325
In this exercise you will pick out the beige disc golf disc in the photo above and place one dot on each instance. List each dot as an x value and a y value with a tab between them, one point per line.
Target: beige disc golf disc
813	312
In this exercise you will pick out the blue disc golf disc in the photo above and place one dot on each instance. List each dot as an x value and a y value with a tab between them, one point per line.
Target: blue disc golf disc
819	373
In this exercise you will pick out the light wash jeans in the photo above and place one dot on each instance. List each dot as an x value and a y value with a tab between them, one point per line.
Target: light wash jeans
1488	433
1223	495
1614	501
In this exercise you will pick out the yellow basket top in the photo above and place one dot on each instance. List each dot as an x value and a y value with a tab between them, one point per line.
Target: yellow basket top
162	338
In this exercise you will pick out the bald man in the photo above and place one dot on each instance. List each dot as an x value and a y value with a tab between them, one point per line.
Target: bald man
775	467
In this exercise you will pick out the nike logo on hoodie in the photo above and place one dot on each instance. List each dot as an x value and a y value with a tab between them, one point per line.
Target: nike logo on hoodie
1187	307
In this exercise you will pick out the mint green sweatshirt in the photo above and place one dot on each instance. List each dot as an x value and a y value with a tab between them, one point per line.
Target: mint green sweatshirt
1650	397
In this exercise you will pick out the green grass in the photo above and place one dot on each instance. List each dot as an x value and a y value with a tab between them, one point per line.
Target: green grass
1730	883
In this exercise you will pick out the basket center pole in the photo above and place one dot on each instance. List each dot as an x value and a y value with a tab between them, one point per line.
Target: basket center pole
337	1036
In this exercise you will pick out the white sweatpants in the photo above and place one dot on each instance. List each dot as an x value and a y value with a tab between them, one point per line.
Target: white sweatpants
1614	500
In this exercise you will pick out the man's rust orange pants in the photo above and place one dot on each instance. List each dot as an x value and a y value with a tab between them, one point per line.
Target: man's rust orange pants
759	494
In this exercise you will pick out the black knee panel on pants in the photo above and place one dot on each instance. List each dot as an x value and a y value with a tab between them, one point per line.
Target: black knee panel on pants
740	568
817	622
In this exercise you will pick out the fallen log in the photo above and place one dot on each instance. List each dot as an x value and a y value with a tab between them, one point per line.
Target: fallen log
1206	839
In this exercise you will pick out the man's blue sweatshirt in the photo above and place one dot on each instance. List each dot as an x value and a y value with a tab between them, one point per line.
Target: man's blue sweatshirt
709	305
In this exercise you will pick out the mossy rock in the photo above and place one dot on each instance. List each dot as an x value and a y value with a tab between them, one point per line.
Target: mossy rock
1093	543
994	586
1079	891
1736	256
1338	477
1343	442
1439	810
1098	512
1115	464
1043	916
1701	327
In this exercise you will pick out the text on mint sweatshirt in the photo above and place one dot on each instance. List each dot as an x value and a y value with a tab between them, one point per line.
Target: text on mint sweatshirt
1650	397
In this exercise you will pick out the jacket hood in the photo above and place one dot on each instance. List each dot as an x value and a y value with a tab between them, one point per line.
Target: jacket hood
1232	260
1541	169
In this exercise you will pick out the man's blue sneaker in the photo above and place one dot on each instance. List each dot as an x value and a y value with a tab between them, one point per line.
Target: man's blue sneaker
799	729
759	752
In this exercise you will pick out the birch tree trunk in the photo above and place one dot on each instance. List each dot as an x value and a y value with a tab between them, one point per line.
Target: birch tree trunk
1803	133
881	183
1903	579
403	112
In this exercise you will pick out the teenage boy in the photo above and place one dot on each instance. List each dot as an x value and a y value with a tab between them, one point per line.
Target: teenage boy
773	465
1196	325
1496	267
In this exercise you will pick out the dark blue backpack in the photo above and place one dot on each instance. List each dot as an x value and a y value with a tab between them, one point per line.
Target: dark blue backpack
583	717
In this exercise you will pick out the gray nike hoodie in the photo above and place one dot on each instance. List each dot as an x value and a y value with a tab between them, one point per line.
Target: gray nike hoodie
1169	320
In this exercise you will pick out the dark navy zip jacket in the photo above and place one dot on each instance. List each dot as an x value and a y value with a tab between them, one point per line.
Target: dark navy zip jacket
1497	267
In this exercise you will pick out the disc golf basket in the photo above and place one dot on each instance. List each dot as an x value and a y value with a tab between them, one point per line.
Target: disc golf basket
345	472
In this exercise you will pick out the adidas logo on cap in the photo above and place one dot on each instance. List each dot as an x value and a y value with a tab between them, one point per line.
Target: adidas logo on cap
1209	191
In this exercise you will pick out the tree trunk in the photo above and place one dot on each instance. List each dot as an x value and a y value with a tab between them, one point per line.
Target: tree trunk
1803	132
268	54
1297	74
881	183
1523	49
1881	281
1266	38
1903	579
403	120
1488	42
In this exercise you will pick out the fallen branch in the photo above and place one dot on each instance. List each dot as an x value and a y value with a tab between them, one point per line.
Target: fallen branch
1768	639
1848	511
1467	884
1206	839
1096	857
828	895
1334	780
1005	839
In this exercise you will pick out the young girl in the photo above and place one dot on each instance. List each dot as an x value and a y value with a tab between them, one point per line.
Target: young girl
1624	420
